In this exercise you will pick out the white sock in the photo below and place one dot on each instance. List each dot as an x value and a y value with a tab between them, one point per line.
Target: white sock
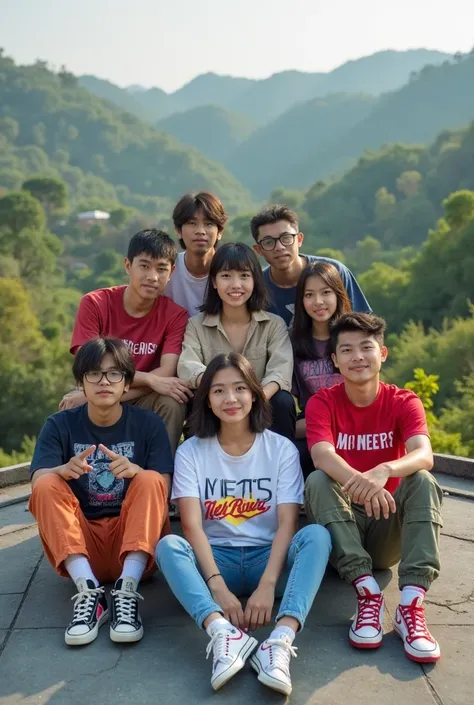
283	632
134	565
78	567
366	584
410	593
217	624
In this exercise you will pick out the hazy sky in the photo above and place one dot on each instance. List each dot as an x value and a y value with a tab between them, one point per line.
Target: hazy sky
167	42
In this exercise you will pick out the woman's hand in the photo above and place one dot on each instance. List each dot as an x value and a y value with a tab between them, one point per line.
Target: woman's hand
258	611
228	601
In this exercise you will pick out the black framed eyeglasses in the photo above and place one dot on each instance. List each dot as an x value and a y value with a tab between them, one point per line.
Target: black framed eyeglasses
96	376
269	243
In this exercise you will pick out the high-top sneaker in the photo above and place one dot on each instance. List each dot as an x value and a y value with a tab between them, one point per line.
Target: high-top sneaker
126	624
410	625
230	649
366	629
272	663
90	611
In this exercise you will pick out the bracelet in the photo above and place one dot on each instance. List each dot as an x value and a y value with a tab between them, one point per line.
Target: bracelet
212	576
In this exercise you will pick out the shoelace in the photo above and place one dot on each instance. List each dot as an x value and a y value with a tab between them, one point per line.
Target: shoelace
282	653
218	644
368	613
84	603
415	621
126	604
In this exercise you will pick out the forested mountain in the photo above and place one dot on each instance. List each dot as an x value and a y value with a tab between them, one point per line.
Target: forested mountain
51	112
265	99
216	132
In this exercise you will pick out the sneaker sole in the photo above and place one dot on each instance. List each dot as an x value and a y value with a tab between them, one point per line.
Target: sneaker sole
238	664
429	658
83	639
366	644
126	637
269	681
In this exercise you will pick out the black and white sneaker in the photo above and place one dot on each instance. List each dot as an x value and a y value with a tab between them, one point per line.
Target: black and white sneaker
126	625
90	611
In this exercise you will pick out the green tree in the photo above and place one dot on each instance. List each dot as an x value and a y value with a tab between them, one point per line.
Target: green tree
19	210
409	183
51	193
9	128
459	209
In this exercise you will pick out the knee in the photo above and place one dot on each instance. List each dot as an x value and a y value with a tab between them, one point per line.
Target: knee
423	483
167	548
283	401
149	482
316	536
317	483
171	407
47	484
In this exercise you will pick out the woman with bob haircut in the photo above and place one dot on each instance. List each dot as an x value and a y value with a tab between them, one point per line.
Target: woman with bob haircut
234	319
239	487
320	300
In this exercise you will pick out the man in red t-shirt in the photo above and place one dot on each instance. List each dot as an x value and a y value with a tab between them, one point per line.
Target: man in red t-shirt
372	488
149	323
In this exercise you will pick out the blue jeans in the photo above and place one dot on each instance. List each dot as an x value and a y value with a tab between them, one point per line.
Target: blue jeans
242	568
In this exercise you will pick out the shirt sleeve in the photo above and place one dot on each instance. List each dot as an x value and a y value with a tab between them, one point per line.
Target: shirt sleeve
87	324
159	455
191	361
279	366
290	483
412	418
359	302
318	421
185	480
49	449
175	331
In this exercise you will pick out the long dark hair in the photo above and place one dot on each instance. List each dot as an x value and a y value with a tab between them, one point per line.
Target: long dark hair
302	329
203	422
243	259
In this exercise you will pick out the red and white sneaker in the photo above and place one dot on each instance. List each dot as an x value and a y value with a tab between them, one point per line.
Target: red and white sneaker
230	649
410	625
366	629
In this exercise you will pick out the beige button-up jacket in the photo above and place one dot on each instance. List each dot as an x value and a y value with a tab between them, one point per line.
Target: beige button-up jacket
267	348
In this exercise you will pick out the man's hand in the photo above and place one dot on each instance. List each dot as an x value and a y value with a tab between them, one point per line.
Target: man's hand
258	611
120	466
77	466
228	601
72	399
362	486
381	503
170	387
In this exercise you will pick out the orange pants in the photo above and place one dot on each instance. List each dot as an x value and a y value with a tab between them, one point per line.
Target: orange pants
64	530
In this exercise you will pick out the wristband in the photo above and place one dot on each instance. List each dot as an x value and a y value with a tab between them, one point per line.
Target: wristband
214	575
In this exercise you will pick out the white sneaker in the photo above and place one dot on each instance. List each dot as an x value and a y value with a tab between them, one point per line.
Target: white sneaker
90	612
366	629
410	625
231	647
272	663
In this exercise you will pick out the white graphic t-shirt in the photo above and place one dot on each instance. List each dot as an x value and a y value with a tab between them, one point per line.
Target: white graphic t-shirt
239	495
184	289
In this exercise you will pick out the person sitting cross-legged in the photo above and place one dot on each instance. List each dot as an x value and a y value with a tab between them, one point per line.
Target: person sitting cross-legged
239	488
372	488
100	483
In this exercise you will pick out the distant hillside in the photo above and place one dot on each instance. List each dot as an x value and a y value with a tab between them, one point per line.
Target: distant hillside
216	132
272	156
53	112
266	99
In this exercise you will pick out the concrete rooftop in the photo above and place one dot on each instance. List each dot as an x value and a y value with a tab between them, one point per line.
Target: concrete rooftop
169	666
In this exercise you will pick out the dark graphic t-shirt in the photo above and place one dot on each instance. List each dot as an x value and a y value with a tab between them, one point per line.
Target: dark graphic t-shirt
139	435
309	376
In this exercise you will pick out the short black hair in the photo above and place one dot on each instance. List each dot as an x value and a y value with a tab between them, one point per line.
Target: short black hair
368	323
191	203
90	355
203	422
242	258
155	243
273	214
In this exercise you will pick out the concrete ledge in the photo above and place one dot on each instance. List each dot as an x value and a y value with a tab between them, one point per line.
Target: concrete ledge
14	474
454	466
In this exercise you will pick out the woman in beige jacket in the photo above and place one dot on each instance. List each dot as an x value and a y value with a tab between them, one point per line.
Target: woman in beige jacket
234	318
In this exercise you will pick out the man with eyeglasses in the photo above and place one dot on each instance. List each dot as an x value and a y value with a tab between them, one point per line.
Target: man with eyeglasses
101	474
278	240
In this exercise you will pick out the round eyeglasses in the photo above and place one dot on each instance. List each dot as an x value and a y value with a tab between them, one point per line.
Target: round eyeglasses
269	243
96	376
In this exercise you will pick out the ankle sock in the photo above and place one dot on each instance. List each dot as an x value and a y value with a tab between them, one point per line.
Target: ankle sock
134	565
367	583
78	566
283	632
410	593
216	624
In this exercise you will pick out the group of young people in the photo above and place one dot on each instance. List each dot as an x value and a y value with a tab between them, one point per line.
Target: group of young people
273	378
